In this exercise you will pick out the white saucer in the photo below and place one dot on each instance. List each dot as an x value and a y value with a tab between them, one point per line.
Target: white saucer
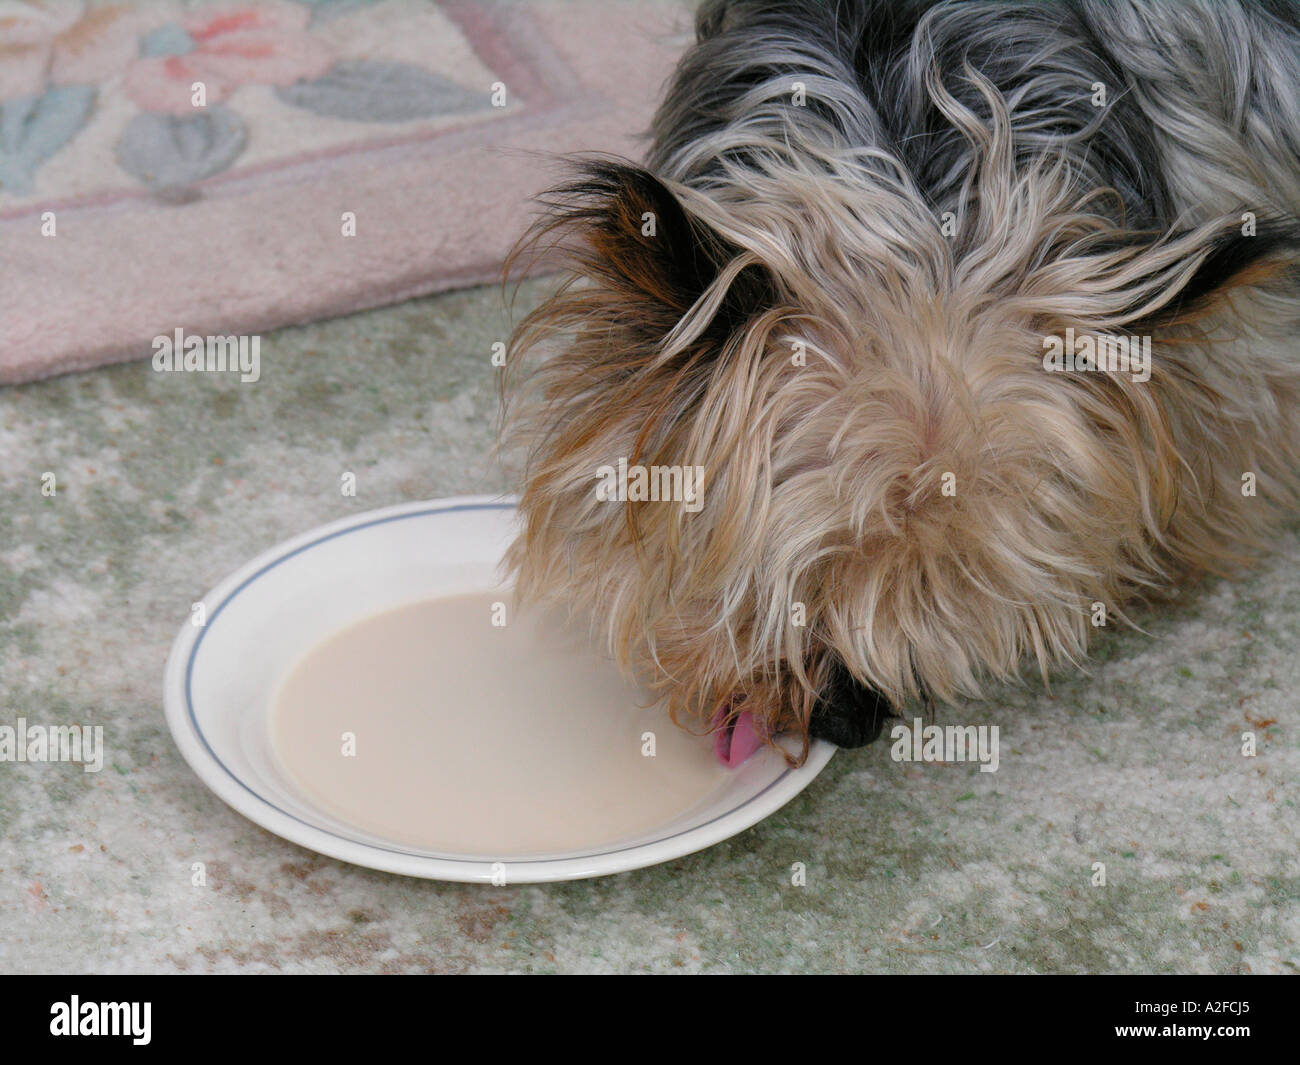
259	621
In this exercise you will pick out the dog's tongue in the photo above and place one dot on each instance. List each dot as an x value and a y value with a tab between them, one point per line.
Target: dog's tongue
735	743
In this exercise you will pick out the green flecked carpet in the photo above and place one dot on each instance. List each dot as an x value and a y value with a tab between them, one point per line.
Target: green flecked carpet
167	482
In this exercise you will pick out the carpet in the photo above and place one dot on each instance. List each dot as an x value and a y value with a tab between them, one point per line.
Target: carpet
168	482
229	168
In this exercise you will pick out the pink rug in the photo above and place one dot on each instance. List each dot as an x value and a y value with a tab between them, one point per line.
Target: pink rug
343	154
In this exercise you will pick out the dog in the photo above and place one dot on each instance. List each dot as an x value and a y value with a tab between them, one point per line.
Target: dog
979	319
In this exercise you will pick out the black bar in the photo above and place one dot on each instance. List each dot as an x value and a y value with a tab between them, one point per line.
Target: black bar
305	1013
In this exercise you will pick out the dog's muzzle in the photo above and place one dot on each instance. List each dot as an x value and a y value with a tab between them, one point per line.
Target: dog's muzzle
846	713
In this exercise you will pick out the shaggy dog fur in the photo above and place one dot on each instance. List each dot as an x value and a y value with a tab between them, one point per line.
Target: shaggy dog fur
832	285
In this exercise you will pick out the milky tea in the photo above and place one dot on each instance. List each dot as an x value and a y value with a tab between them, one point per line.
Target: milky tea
434	728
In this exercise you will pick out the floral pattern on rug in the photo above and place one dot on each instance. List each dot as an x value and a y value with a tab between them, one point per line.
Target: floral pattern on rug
348	153
184	71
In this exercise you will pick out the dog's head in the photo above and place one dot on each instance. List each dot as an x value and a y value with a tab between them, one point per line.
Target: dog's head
797	447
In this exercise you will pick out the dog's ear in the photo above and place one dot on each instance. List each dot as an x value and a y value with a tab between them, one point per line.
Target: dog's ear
644	243
1262	252
619	226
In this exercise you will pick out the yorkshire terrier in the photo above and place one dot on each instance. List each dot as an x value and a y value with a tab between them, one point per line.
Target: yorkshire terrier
979	318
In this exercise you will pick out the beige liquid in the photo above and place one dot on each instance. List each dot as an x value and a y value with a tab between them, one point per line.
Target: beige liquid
479	739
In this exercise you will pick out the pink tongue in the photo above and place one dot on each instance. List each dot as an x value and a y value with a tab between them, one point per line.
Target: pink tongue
733	745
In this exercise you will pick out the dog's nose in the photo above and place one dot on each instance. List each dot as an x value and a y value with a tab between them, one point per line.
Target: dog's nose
848	714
